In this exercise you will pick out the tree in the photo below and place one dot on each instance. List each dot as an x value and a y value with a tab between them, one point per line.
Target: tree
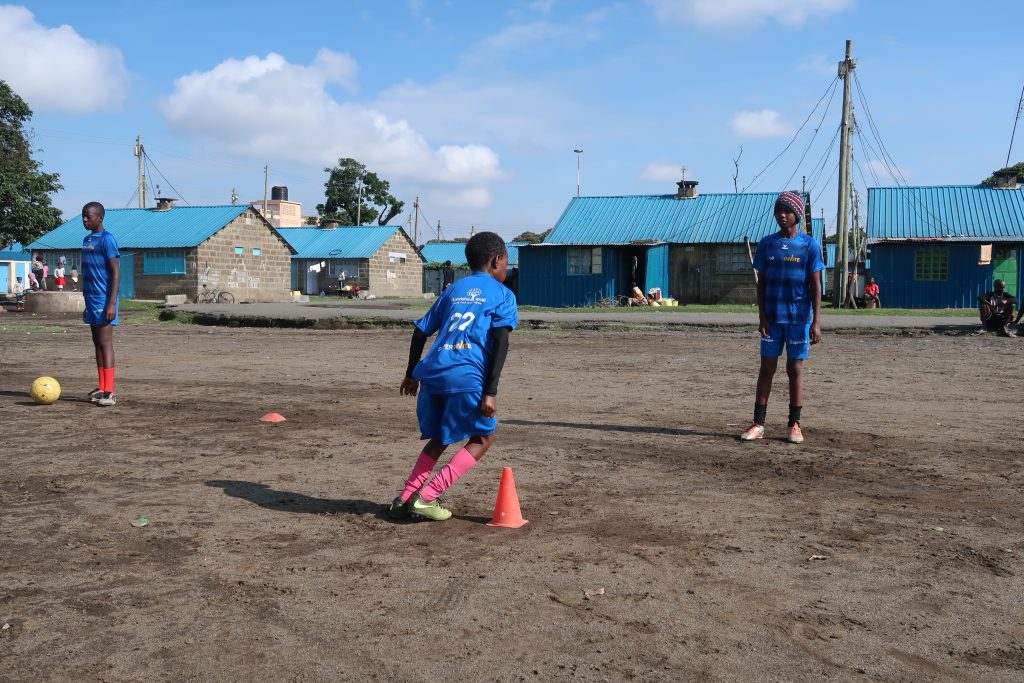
1016	168
342	194
532	237
26	211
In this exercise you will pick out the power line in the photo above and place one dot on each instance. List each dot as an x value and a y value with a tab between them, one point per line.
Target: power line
824	113
148	159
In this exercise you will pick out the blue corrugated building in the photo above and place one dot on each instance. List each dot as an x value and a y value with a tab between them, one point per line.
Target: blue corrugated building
14	263
940	247
184	250
689	245
382	260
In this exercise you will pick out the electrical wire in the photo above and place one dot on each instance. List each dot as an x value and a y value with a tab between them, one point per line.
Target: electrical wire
807	148
148	159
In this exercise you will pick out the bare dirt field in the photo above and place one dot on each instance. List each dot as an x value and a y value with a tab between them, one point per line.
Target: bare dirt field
269	556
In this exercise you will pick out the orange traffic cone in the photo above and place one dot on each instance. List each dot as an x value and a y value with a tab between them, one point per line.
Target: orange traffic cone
273	417
506	509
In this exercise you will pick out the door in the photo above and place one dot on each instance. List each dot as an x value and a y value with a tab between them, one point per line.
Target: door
1004	267
5	277
127	289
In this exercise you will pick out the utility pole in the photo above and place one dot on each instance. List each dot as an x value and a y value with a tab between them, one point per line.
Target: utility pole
578	153
416	225
808	219
852	294
266	178
140	152
359	207
1020	112
841	273
439	231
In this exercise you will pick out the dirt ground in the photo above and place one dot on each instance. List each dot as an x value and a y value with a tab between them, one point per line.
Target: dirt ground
269	556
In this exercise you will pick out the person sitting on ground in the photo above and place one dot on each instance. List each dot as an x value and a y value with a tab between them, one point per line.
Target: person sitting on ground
636	297
871	291
996	309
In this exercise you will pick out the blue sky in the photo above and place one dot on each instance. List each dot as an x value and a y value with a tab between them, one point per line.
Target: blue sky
477	106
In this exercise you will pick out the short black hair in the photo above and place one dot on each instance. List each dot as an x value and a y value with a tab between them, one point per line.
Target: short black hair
482	247
95	207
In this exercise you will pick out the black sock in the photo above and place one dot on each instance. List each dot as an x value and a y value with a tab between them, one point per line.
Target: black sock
794	414
760	410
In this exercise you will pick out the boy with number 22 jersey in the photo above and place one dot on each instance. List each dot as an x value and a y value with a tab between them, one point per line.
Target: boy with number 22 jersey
459	375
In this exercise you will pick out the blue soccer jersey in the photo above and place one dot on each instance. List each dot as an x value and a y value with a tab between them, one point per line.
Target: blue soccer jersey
97	249
786	265
463	317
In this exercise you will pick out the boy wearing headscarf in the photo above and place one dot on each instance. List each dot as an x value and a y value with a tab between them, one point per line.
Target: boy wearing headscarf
789	309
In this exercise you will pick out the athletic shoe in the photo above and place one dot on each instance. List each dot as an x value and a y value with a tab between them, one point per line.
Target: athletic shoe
754	431
796	435
107	399
94	395
432	510
399	509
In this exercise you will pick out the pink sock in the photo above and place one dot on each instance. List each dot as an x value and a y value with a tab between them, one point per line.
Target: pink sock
462	462
420	471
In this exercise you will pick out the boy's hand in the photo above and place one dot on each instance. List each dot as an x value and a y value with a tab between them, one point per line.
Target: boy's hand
762	325
110	312
489	406
815	332
409	387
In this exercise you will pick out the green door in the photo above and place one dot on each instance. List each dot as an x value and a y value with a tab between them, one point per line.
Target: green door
1004	267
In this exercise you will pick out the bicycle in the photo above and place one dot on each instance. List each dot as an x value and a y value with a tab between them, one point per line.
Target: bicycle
214	296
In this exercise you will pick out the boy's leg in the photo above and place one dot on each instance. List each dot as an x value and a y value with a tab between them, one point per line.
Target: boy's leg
103	337
421	470
795	370
462	462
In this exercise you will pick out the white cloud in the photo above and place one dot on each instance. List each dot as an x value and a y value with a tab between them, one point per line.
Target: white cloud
542	6
662	172
55	68
519	36
760	124
726	13
268	108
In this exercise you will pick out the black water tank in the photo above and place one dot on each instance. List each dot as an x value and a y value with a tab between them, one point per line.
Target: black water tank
279	192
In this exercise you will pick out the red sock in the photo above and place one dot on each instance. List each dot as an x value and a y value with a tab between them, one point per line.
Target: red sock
108	379
99	371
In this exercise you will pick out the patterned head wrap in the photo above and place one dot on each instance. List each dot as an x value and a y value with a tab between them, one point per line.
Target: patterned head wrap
793	201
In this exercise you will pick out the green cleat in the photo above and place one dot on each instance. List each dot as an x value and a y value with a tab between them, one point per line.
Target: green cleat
399	509
432	510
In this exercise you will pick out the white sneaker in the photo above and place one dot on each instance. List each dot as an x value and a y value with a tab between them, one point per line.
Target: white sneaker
107	399
754	431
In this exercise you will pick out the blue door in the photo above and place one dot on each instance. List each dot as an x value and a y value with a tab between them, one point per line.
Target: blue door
5	278
657	269
127	290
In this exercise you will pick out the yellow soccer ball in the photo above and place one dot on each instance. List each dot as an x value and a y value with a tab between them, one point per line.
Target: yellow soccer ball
45	390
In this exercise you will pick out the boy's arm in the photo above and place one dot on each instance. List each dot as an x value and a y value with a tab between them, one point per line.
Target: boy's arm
762	318
499	351
816	307
110	312
409	385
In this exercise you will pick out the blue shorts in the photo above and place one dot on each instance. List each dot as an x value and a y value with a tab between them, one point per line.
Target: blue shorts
94	308
452	417
797	339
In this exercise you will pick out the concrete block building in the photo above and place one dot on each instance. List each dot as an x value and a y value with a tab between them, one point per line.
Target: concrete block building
381	260
182	250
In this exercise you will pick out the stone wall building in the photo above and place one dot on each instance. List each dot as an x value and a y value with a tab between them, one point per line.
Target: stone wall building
383	261
189	250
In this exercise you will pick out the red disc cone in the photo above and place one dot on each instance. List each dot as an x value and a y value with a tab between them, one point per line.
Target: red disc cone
273	417
506	510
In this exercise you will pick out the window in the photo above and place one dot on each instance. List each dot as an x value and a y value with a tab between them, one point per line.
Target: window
239	250
585	261
396	257
931	264
256	251
733	260
164	262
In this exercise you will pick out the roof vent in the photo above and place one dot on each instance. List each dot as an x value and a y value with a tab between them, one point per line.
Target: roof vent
164	203
1006	180
687	189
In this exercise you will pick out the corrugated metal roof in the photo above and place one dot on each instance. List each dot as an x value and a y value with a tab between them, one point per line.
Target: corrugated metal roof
963	213
15	252
707	219
182	226
353	242
439	252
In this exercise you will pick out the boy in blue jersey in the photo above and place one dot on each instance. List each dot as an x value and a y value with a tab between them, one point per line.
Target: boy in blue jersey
789	307
472	318
101	275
